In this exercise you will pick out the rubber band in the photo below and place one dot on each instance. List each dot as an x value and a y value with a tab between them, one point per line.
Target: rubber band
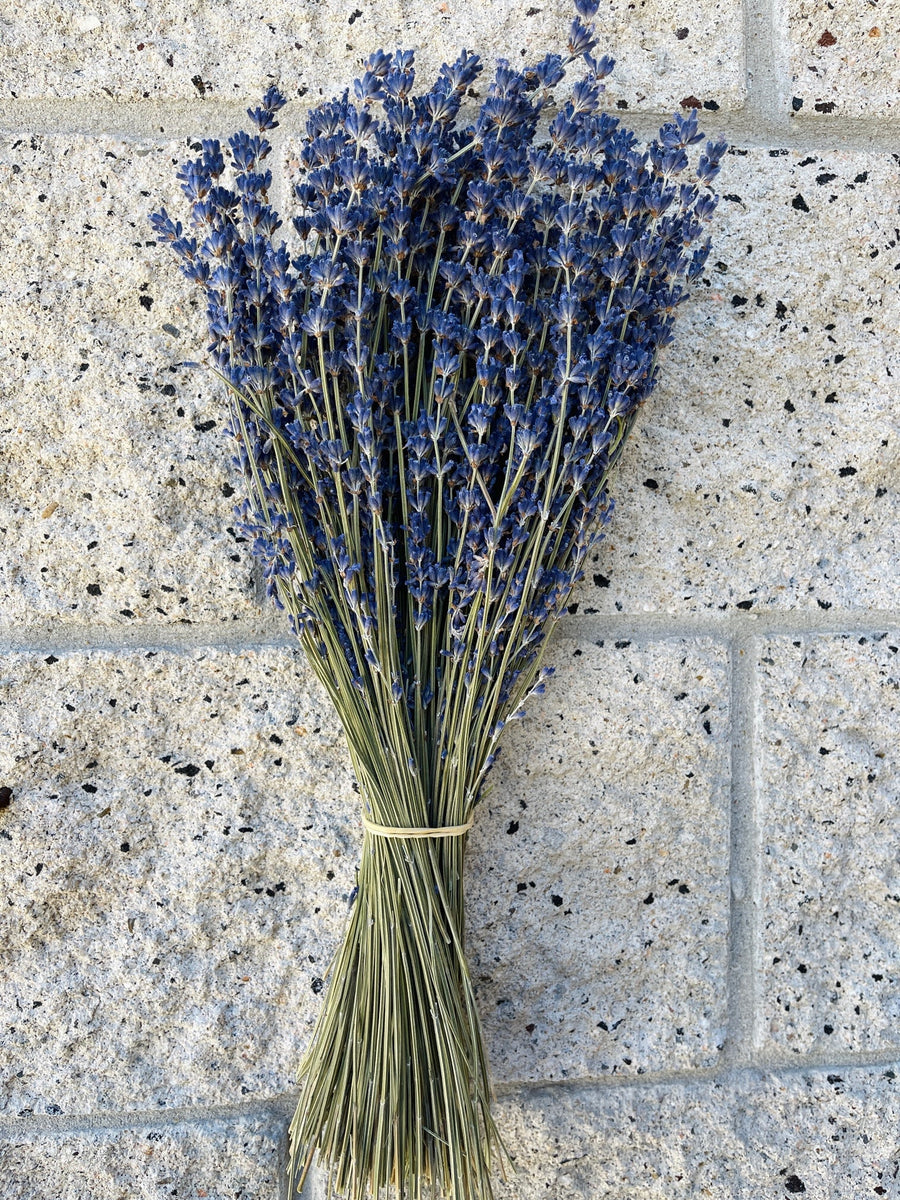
398	831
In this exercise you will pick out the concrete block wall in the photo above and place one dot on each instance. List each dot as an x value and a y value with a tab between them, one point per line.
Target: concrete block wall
684	886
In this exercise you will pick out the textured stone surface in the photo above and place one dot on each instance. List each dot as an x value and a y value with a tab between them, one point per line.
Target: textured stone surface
763	474
597	932
113	504
844	58
181	844
664	52
176	865
831	882
831	1136
157	48
219	1160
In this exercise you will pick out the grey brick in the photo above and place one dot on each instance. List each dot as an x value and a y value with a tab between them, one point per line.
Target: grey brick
162	50
176	877
831	882
204	51
763	472
843	60
178	856
218	1160
664	53
826	1135
598	914
111	498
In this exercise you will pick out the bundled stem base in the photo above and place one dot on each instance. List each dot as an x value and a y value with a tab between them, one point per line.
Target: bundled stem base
395	1092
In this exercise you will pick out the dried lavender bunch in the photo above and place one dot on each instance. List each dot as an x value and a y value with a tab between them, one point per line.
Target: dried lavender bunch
430	391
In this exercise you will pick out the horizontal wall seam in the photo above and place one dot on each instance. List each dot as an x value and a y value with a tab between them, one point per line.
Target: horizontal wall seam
162	121
274	634
280	1108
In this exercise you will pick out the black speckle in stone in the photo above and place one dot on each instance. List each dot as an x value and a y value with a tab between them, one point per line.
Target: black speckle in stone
521	887
794	1183
831	398
738	301
51	659
797	103
205	426
532	12
825	177
93	589
146	302
825	106
648	899
317	985
780	310
799	204
862	177
357	12
823	603
828	1029
125	847
5	797
788	407
651	484
512	827
733	198
680	695
684	889
245	828
746	605
90	788
601	581
622	645
681	34
823	750
707	726
879	492
227	490
168	389
557	900
188	769
710	106
845	471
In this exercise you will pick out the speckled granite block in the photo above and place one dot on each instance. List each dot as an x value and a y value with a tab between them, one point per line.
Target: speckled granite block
114	494
218	1160
182	839
844	58
176	864
140	49
597	922
666	54
159	49
763	472
830	1136
831	871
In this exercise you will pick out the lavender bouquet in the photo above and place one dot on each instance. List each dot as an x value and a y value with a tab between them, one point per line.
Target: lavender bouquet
429	392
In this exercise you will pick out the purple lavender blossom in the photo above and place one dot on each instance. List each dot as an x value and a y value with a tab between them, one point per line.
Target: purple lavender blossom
448	361
432	380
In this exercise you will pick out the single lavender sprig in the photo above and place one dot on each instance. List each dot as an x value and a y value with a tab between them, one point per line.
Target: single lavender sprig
431	384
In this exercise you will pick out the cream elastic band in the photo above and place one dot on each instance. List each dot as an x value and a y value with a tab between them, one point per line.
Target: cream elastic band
396	831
